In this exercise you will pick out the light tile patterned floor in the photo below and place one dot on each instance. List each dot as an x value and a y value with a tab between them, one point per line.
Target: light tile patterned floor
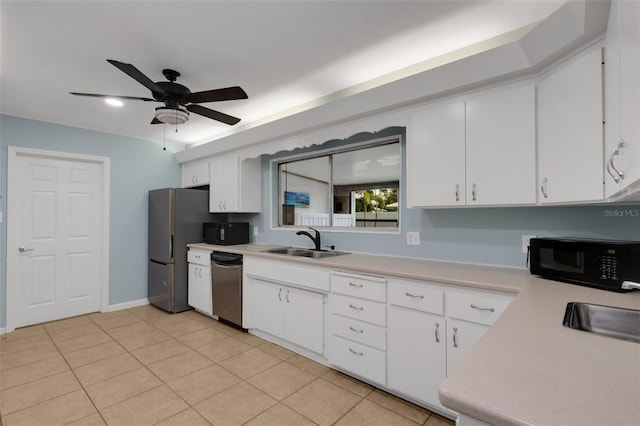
142	366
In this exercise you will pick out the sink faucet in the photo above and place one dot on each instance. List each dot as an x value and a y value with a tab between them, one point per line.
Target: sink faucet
316	239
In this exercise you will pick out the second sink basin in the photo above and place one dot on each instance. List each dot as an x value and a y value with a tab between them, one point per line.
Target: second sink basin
610	321
303	252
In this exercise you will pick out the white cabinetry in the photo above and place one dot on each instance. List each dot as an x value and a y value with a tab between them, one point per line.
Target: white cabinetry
357	343
431	327
435	156
501	147
199	281
470	313
234	185
286	301
474	151
417	342
289	313
570	130
622	96
195	173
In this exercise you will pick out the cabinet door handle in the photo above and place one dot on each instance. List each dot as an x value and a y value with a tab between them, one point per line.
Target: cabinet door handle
355	330
356	308
415	296
286	296
437	337
457	192
473	192
455	332
356	353
355	285
619	175
22	249
280	295
480	308
543	187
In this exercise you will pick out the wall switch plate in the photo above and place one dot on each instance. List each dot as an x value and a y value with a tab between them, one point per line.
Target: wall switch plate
256	230
525	242
413	238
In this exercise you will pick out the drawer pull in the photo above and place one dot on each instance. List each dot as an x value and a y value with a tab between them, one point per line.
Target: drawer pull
455	341
355	330
355	285
356	353
437	337
356	308
287	296
480	308
415	296
280	295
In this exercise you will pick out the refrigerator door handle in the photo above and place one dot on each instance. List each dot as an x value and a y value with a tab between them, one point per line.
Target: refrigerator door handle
171	247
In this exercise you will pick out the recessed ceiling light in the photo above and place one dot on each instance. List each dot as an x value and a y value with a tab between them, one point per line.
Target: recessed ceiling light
114	102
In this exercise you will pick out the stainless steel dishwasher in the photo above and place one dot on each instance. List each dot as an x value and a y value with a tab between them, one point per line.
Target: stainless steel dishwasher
226	284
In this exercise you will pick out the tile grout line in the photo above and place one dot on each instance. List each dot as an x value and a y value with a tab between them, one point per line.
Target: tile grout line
75	376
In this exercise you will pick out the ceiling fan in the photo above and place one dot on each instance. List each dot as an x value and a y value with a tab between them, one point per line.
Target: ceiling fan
178	100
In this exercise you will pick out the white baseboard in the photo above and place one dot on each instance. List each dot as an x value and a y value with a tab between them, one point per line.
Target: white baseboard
2	330
127	305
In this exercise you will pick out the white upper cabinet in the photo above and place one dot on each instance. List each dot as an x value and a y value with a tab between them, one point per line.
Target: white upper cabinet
474	151
622	97
195	173
234	184
501	147
435	156
570	130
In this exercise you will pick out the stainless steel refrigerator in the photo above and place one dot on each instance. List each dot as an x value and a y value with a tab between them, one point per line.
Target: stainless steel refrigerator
175	219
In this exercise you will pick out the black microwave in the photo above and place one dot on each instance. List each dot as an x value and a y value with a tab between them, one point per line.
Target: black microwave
605	264
225	234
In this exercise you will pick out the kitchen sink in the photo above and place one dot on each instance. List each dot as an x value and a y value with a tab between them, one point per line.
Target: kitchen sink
303	252
619	323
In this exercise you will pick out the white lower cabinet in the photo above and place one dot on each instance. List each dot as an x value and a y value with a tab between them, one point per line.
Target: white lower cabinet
289	313
461	337
199	281
404	336
417	356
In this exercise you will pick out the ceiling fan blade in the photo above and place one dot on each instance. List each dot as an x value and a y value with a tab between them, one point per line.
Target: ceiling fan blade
135	73
95	95
225	94
156	121
215	115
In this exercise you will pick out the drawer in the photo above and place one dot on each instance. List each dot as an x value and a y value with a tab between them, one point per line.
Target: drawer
476	306
372	288
200	257
359	331
417	296
360	309
361	360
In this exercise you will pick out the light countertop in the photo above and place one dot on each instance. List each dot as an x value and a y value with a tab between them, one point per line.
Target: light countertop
528	369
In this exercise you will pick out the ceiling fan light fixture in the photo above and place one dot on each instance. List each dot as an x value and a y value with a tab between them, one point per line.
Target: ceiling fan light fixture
172	116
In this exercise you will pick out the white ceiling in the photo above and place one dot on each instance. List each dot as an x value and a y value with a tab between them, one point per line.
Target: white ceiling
283	53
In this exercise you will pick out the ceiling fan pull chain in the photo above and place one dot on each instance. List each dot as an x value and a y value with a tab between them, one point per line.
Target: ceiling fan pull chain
164	128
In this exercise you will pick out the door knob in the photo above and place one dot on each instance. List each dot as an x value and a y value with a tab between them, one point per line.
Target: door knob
22	249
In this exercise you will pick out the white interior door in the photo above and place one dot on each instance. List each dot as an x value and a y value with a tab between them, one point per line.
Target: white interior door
56	252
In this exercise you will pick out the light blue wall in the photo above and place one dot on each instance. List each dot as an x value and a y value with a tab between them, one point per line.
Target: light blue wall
478	235
136	167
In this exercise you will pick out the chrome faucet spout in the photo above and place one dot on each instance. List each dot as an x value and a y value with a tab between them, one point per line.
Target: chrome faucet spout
316	239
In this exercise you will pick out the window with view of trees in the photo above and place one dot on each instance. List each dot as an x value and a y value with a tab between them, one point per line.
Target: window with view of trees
355	187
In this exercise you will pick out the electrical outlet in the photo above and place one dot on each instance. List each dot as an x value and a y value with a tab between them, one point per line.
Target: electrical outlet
413	238
525	242
256	230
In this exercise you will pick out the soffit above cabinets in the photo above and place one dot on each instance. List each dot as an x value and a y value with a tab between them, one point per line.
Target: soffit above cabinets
373	106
